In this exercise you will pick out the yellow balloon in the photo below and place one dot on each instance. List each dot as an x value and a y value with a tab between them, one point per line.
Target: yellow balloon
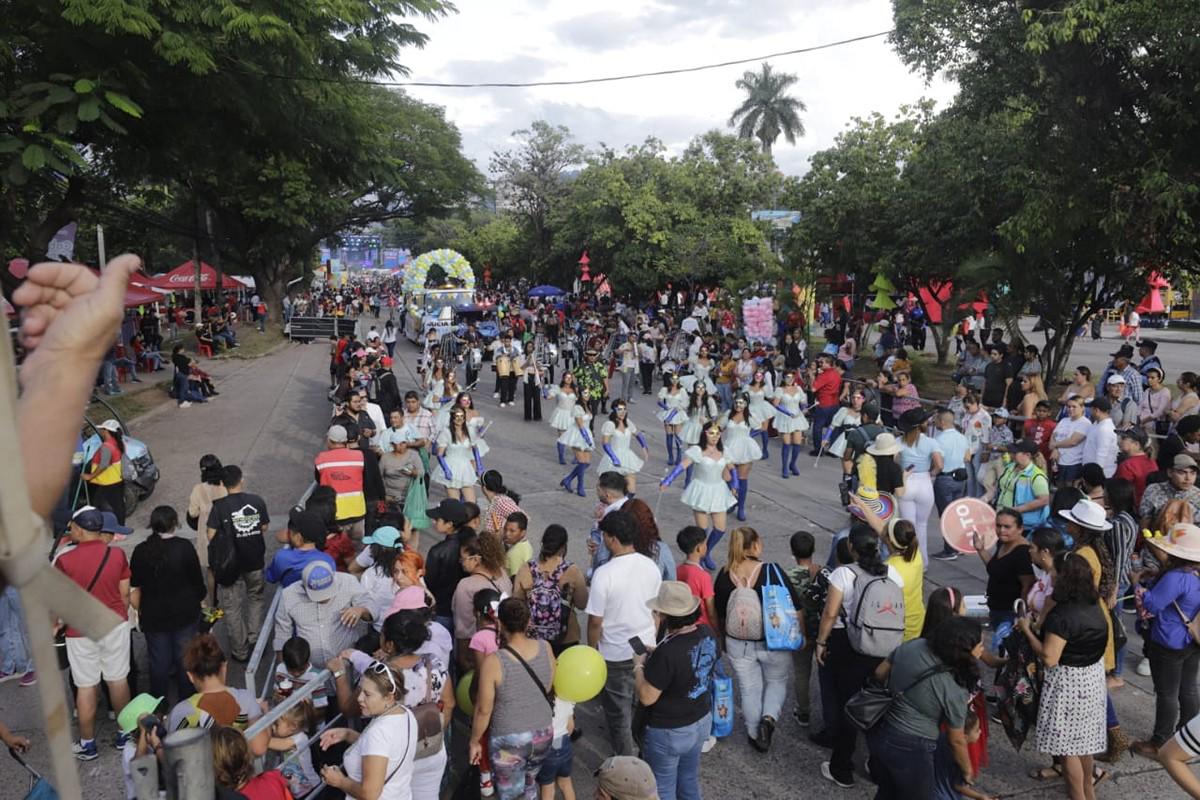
580	674
462	694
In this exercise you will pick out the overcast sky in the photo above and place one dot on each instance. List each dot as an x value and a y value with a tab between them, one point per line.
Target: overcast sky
529	40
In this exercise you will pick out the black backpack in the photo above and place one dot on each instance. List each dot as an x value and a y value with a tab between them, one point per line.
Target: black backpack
223	556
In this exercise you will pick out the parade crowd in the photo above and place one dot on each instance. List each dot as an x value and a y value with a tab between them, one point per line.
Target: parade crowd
437	631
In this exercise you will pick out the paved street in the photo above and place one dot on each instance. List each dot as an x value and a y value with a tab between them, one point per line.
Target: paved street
270	416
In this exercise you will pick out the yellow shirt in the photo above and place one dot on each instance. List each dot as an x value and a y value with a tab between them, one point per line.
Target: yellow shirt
1089	555
518	555
913	575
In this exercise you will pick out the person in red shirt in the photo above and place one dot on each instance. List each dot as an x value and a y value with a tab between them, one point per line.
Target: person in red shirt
103	572
1135	465
1040	428
692	541
826	383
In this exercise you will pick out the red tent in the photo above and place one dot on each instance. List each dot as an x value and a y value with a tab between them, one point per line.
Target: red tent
935	302
183	278
141	296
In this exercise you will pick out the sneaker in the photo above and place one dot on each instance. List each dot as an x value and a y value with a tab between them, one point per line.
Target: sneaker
945	555
802	718
709	744
1143	668
827	773
185	404
495	395
85	752
29	679
5	677
121	740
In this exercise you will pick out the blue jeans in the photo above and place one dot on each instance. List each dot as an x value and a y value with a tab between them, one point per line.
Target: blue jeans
1068	474
674	756
165	650
974	472
15	658
901	765
822	416
762	680
945	491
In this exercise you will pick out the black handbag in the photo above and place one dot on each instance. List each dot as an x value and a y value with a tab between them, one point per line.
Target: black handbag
1120	636
870	704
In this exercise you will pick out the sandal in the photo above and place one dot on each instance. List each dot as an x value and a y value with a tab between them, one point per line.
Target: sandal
1099	776
1046	773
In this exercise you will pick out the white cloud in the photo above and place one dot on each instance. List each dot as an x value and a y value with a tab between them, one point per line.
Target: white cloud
529	40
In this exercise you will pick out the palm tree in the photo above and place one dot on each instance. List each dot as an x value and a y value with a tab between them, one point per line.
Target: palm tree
767	110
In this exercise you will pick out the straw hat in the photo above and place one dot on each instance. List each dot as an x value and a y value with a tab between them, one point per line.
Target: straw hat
885	444
1182	541
675	599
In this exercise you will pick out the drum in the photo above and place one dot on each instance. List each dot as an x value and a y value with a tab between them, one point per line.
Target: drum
504	365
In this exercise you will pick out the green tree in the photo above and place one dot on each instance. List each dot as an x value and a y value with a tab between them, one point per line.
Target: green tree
532	178
768	111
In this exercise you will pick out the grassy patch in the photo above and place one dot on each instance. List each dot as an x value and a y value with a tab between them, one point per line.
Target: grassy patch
252	343
135	399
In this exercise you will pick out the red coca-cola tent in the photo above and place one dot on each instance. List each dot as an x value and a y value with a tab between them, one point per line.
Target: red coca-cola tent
183	278
141	296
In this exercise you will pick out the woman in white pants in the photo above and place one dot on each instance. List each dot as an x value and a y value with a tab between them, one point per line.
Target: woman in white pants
921	459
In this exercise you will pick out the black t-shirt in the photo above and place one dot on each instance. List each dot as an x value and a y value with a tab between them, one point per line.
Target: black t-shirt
1085	629
168	573
994	376
1004	577
245	515
181	362
888	475
681	667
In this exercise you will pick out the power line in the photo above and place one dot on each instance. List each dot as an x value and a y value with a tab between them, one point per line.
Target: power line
579	82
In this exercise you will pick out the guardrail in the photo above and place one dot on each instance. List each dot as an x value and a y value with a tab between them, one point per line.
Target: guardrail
265	634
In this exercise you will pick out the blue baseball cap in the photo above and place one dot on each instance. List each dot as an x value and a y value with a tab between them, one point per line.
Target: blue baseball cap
318	580
386	535
111	525
89	518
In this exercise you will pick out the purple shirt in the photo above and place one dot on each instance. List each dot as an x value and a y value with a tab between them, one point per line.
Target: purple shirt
1170	628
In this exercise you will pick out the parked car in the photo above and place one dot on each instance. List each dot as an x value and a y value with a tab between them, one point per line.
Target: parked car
141	461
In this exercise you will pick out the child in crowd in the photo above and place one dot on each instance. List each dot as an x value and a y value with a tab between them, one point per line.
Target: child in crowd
692	541
289	738
555	772
802	576
520	551
304	533
296	671
486	639
138	716
948	783
1040	428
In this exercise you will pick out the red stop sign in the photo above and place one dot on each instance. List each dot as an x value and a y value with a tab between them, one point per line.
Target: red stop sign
963	518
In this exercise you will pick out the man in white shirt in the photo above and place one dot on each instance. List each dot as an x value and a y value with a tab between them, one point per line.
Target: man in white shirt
617	612
611	492
1100	444
1066	443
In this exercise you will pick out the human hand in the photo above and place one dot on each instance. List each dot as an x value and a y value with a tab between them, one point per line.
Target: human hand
821	650
474	753
332	775
69	311
18	743
333	736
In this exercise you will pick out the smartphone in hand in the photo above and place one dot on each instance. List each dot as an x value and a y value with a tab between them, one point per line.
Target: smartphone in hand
636	643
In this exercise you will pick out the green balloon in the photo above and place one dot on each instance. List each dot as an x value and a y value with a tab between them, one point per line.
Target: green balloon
462	694
580	674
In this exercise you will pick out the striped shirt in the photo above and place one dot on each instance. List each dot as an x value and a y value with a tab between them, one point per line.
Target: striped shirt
1188	737
320	623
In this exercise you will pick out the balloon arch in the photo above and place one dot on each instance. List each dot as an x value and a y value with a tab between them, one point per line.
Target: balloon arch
455	265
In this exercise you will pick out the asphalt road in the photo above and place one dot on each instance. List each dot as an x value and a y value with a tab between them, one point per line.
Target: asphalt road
270	417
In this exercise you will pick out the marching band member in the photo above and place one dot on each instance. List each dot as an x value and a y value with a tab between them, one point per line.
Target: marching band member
504	362
532	389
615	437
790	422
578	437
708	495
673	400
740	447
